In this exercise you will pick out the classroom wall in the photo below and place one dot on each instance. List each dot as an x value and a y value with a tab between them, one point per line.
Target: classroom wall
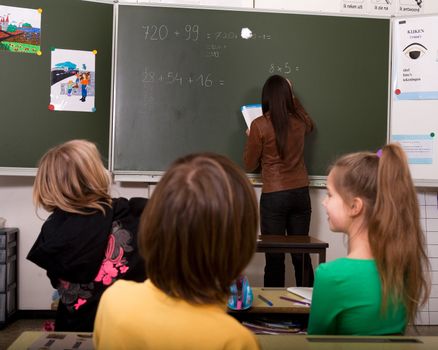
35	291
16	194
323	6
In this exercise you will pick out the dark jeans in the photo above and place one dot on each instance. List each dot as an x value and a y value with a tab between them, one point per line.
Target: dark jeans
286	212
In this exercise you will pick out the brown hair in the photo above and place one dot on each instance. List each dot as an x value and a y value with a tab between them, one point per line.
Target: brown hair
393	218
198	231
279	103
72	177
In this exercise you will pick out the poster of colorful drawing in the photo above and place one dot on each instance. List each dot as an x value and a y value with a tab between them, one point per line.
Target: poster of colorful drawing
20	29
72	80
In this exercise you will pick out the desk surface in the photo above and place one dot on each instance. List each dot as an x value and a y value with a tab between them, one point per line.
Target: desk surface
279	305
302	342
26	339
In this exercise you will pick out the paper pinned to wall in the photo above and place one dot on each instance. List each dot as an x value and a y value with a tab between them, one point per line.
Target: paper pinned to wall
251	112
20	30
415	68
73	77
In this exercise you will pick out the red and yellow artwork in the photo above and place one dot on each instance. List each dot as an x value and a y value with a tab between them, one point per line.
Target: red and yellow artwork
20	30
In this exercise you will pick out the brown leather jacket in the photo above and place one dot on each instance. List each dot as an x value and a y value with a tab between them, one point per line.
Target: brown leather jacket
261	150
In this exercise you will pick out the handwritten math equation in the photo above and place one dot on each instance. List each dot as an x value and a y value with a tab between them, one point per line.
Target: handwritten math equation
160	32
214	42
283	68
203	80
192	32
214	50
234	36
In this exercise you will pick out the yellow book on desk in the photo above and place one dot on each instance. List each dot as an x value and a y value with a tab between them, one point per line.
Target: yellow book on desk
303	292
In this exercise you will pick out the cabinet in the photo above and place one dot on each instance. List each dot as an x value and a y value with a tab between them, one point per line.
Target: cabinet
8	273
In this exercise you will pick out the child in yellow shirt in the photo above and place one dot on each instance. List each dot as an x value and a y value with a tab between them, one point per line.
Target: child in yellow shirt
196	236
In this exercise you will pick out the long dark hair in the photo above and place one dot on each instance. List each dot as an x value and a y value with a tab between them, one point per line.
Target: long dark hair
277	100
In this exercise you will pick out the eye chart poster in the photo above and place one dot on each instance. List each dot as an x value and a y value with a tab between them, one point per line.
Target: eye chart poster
415	58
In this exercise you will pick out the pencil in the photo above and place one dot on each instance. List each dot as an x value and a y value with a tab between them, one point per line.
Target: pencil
295	301
267	301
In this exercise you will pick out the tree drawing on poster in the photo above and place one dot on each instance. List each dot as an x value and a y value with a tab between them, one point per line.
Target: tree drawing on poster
20	30
72	80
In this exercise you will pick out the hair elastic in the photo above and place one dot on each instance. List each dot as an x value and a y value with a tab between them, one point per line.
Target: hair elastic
379	153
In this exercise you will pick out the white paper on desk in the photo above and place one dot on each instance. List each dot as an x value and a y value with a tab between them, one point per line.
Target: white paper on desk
251	112
303	292
56	341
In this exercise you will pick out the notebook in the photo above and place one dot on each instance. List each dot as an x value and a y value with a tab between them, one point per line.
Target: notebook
304	292
251	112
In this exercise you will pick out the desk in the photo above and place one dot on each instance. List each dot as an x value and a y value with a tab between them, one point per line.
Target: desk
279	306
26	339
302	342
292	244
280	311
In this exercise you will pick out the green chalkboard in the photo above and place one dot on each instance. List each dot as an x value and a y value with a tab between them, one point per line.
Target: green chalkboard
28	127
182	75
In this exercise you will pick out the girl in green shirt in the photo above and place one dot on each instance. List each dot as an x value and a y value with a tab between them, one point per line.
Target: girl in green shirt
379	286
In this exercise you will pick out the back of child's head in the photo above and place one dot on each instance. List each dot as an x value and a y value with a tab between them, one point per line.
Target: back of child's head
391	214
72	177
198	231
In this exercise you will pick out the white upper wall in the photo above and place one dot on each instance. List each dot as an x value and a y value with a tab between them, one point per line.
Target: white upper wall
324	6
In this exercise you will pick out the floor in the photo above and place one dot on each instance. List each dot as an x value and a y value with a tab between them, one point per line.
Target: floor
13	330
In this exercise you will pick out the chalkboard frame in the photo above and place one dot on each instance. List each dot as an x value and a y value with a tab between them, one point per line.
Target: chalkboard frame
30	128
155	175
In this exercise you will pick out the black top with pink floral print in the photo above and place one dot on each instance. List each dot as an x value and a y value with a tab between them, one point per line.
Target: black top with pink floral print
84	254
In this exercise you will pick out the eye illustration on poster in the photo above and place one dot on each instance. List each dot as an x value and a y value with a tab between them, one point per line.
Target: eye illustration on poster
20	30
73	80
416	59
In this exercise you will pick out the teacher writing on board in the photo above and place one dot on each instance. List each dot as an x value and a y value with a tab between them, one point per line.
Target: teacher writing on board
276	144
